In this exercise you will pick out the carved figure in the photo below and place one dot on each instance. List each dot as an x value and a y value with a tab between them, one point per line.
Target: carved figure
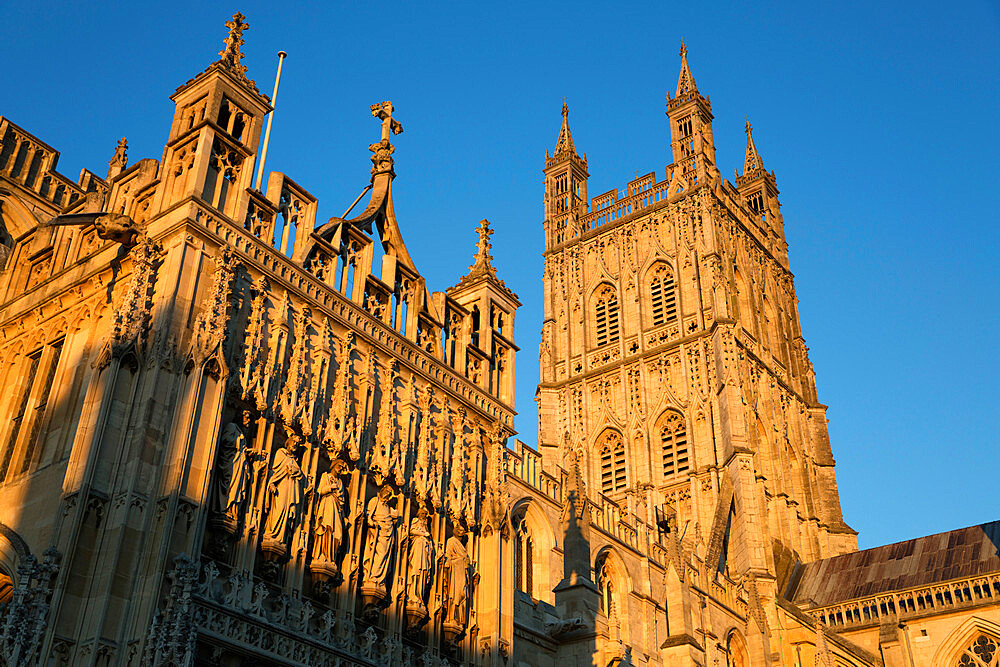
329	530
382	519
286	489
235	470
457	579
421	558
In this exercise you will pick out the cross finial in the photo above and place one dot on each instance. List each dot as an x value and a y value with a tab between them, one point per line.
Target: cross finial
749	127
231	54
684	49
390	125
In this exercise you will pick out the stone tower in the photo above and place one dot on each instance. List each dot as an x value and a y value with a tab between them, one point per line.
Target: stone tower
672	358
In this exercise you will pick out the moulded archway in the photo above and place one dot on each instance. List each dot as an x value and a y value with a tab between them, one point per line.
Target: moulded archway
974	643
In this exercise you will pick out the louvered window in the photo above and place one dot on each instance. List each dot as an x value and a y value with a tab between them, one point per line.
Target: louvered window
663	296
674	445
606	317
613	464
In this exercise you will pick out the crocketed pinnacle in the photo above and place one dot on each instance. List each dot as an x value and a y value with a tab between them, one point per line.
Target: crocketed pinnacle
565	141
231	55
483	263
685	82
752	160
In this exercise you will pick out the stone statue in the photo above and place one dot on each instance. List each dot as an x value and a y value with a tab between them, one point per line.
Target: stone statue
329	527
286	491
381	519
458	583
421	558
234	470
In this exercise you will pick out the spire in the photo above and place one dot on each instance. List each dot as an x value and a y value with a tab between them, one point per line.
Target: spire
752	160
565	142
231	55
685	82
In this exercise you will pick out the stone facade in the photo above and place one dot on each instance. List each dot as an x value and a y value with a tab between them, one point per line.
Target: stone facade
234	436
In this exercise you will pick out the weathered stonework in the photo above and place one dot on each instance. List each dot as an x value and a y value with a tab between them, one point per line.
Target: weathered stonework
237	437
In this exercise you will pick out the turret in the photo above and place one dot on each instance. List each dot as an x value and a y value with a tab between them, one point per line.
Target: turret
691	117
565	187
215	132
759	190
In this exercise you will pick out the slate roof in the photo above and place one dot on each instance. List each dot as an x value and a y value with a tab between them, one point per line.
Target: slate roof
918	562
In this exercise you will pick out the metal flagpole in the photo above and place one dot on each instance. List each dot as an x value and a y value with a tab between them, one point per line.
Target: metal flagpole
270	117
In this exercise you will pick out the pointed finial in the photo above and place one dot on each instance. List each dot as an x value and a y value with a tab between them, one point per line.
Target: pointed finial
565	109
749	127
684	50
231	54
483	261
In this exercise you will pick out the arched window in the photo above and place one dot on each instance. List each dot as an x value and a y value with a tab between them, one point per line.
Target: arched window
672	433
606	315
524	557
736	651
612	463
980	652
662	295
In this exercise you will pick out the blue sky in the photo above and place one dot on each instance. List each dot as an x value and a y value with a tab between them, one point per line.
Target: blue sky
879	119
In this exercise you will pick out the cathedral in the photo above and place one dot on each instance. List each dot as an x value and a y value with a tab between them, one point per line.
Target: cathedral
234	435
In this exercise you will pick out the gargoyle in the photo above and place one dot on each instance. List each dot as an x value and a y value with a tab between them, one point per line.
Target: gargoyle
114	227
558	629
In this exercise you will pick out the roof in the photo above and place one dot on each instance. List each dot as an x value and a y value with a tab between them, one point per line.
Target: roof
956	554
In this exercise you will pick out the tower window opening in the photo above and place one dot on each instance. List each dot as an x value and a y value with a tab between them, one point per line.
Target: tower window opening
663	296
674	445
613	464
524	548
606	317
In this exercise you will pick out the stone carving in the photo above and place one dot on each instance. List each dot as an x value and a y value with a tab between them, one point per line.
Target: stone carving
286	492
234	473
458	584
119	160
381	518
117	228
24	618
328	533
213	321
421	568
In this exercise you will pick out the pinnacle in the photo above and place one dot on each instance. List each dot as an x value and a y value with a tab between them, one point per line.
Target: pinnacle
565	142
483	262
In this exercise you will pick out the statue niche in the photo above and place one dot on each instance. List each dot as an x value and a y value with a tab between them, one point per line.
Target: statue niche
381	518
458	585
234	475
329	527
421	569
287	487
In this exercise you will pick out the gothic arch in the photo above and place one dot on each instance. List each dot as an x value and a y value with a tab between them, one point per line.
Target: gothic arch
13	553
527	515
611	469
964	644
614	585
